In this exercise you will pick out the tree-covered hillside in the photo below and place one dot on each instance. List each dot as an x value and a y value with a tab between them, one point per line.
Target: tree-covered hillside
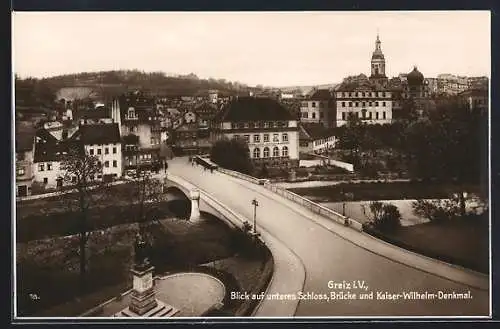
37	92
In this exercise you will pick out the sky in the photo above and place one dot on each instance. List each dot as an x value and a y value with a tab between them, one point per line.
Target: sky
267	48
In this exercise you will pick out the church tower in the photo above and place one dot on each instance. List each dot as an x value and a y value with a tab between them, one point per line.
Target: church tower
378	63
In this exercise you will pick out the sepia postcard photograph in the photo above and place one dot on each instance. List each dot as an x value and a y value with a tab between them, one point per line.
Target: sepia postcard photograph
256	165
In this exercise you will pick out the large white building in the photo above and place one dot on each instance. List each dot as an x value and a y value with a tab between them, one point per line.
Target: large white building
367	101
269	129
104	142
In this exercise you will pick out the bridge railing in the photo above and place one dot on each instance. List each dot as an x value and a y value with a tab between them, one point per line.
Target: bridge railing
313	206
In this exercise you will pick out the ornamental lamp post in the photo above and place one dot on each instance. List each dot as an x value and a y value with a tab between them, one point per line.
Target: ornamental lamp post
255	204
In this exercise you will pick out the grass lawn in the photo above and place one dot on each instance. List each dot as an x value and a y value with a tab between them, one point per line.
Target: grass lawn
461	242
380	191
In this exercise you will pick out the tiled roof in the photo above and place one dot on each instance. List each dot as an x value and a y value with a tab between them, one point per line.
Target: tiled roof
25	138
316	130
321	95
99	134
254	109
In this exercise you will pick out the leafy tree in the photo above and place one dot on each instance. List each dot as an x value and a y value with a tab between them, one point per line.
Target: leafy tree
351	137
450	145
436	210
383	216
80	170
232	154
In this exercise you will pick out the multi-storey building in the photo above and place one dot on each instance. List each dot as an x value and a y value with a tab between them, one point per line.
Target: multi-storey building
267	126
141	123
104	142
367	101
477	82
25	141
318	108
475	99
451	84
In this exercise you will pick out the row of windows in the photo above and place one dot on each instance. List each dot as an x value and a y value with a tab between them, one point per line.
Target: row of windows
305	115
265	152
313	104
267	124
362	115
363	94
256	138
41	167
324	140
363	104
106	151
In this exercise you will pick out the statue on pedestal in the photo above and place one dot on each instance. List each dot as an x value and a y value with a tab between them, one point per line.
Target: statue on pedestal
140	251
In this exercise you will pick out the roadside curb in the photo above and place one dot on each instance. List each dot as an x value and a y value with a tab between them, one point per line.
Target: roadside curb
423	263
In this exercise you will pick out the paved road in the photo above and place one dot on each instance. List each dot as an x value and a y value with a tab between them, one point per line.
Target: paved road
329	257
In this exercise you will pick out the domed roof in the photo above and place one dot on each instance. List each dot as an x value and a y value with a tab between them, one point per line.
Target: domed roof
415	77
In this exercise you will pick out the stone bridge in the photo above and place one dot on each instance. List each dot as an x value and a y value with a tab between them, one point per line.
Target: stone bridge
179	189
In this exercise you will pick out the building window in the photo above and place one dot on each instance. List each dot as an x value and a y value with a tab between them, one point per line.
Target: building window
313	104
91	151
343	115
383	115
114	150
256	138
98	151
106	164
236	136
383	103
350	104
276	138
246	138
276	151
41	167
20	171
131	113
246	124
20	156
363	104
284	151
284	136
313	115
115	163
256	153
343	104
363	94
304	115
266	138
321	115
49	166
153	141
376	103
357	104
106	150
266	152
45	180
376	115
266	124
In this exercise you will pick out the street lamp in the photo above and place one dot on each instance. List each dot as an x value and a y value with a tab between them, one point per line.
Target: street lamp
255	204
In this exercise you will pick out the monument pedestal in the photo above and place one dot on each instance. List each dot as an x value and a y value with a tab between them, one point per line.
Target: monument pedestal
143	299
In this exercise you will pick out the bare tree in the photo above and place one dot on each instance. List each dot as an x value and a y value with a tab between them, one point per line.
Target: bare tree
145	196
81	170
